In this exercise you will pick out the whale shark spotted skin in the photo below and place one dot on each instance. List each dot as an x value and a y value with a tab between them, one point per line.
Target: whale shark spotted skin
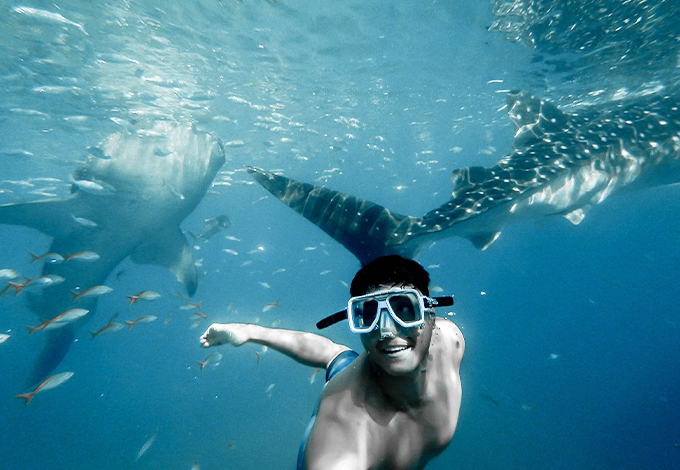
561	164
154	179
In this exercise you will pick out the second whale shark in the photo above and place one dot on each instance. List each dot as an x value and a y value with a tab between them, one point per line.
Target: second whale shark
127	200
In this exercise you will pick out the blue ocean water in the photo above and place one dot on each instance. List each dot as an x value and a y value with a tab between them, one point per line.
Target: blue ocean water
571	331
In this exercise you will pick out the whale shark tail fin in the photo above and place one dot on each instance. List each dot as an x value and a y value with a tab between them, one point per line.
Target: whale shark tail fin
366	229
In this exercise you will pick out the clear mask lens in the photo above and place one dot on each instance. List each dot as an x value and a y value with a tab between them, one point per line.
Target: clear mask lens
406	308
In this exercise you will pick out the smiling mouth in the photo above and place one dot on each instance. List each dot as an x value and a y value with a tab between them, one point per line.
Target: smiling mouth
395	350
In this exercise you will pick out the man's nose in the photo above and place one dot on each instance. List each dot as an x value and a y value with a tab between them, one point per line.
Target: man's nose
386	324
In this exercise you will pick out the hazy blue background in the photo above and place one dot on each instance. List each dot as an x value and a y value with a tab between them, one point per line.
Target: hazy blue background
572	332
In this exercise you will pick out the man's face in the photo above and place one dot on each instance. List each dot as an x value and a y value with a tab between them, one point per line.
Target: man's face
393	348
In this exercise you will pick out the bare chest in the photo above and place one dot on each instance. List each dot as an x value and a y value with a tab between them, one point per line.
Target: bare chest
409	439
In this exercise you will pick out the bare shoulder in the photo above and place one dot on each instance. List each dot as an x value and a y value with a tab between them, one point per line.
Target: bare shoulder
451	337
448	327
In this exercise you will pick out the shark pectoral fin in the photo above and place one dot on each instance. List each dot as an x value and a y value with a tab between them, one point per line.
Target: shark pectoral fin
58	343
170	250
366	229
482	241
576	216
52	217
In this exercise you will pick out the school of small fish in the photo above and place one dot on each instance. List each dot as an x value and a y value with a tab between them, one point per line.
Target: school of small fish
15	283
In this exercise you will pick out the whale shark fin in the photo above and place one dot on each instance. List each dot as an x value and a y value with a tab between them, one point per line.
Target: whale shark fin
53	217
57	345
534	117
477	191
483	240
170	250
577	215
366	229
494	192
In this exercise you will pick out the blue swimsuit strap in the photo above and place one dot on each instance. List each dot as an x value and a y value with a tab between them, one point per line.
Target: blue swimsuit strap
341	361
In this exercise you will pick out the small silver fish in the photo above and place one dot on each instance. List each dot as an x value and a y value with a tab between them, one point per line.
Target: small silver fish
191	306
91	292
54	258
60	320
145	447
82	256
148	296
110	327
8	274
198	316
98	188
161	152
212	227
84	222
98	153
270	306
313	376
47	280
173	190
47	16
48	384
144	319
212	360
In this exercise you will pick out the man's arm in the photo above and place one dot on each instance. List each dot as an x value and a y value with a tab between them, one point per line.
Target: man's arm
306	348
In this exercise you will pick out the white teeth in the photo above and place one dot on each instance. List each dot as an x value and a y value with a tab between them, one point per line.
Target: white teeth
395	350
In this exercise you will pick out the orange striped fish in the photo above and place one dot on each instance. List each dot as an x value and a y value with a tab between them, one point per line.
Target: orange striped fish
47	384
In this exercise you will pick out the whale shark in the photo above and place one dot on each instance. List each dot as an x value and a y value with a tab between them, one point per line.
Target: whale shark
561	164
128	199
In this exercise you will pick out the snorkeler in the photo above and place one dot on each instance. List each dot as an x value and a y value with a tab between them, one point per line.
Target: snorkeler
396	404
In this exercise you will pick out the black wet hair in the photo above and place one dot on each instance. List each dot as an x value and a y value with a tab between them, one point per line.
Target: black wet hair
390	270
